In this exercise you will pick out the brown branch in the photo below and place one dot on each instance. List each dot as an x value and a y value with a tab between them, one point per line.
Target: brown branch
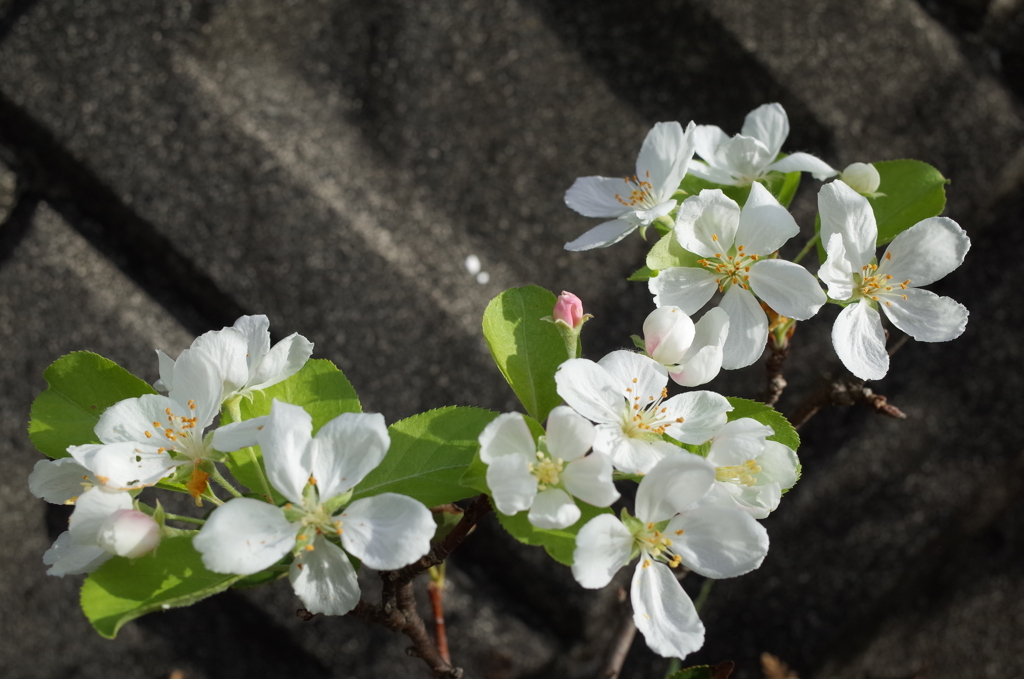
435	590
844	391
776	382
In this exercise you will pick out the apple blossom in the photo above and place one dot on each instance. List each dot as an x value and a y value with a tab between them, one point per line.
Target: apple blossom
625	394
862	178
670	528
734	246
691	353
316	474
753	153
922	254
544	477
637	201
243	357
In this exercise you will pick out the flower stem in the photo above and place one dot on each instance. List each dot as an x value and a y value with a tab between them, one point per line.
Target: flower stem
807	248
234	411
150	511
223	482
705	590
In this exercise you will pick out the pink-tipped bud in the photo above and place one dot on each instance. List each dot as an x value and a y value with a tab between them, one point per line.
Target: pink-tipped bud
568	309
130	533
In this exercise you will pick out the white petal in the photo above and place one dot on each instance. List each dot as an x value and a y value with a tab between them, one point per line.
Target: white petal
646	217
707	139
673	484
668	334
710	330
590	479
324	579
238	435
663	612
803	162
925	316
706	223
513	486
664	156
244	536
702	413
67	558
197	387
603	546
764	224
637	376
788	288
718	542
601	236
553	509
738	441
507	434
688	288
124	466
91	509
285	443
768	123
748	328
715	175
778	464
166	380
925	252
860	341
837	271
58	481
598	196
129	420
346	449
284	360
590	390
632	456
703	360
227	349
387	531
746	157
569	436
129	533
849	214
256	331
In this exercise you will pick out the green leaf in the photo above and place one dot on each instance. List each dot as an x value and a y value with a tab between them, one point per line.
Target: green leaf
319	387
783	186
913	190
559	544
784	432
80	386
668	253
428	456
525	348
694	185
698	672
642	274
124	589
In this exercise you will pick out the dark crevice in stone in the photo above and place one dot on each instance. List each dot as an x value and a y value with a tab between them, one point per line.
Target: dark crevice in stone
52	173
16	226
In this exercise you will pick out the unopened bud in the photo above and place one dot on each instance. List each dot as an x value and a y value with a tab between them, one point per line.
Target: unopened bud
568	309
130	533
668	334
862	178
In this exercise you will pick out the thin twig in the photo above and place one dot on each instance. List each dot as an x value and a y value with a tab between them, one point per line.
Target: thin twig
623	641
435	590
776	382
844	391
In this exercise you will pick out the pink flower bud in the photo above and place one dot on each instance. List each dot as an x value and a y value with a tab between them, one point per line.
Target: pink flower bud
568	309
129	532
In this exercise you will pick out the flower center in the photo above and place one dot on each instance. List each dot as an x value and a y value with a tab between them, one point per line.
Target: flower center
643	420
180	434
871	283
546	469
657	545
641	193
731	269
741	474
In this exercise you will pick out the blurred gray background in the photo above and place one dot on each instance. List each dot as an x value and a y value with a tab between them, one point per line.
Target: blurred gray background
166	167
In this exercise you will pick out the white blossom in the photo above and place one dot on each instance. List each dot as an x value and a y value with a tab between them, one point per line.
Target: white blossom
734	246
862	178
921	255
316	474
625	395
750	155
634	202
690	352
671	528
546	476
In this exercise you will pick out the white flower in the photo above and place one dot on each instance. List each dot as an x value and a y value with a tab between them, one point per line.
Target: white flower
733	245
144	439
638	200
104	523
714	541
692	353
922	254
862	178
625	395
316	475
751	154
751	473
243	357
555	466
